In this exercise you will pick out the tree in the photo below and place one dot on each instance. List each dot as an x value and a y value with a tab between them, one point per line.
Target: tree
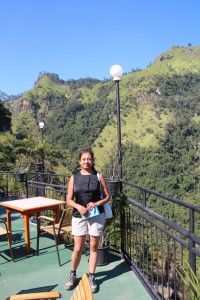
5	118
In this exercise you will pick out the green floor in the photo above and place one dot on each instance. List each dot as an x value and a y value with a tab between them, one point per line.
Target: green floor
41	273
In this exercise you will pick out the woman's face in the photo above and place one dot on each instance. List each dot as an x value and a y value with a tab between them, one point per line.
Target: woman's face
86	161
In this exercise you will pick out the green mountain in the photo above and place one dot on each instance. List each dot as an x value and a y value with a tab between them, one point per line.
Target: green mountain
160	123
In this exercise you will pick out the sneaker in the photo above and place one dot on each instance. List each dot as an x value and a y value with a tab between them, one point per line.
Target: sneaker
93	283
70	281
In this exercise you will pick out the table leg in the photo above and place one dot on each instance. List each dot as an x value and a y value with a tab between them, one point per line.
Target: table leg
27	233
38	223
8	213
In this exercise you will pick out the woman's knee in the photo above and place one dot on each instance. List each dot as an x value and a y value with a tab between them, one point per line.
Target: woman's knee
79	244
93	247
78	251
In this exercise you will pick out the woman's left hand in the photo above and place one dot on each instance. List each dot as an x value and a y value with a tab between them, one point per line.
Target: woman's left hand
90	205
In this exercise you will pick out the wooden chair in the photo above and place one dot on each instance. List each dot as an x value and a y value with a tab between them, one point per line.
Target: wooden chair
60	230
5	232
36	296
83	290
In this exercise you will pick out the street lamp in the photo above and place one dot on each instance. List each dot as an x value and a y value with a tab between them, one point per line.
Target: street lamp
116	73
41	125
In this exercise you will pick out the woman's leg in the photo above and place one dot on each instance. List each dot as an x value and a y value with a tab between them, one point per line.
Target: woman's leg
78	228
96	225
94	243
79	244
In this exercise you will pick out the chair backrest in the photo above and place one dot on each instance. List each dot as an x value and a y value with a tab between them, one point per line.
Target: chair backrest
66	218
3	231
36	296
83	290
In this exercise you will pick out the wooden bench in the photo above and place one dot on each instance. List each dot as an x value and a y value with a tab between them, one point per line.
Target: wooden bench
36	296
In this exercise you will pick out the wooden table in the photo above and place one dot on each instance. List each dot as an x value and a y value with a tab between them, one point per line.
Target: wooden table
27	207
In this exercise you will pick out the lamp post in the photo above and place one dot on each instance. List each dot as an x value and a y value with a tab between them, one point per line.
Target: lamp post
41	125
116	73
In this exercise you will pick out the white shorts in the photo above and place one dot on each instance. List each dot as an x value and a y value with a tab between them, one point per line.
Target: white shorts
93	226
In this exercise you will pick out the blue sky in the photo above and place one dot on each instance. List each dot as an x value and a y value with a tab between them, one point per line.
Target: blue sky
84	38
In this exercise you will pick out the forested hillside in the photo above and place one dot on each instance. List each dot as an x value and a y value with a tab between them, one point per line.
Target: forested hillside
160	124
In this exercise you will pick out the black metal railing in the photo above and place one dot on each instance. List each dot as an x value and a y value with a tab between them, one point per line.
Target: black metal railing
158	235
48	185
33	184
9	184
158	248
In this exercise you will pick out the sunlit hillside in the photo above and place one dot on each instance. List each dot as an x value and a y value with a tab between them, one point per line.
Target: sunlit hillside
159	122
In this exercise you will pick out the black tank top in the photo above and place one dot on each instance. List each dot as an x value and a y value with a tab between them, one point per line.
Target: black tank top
86	189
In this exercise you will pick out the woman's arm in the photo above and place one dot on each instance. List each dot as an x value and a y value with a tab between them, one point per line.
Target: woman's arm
104	191
106	195
70	198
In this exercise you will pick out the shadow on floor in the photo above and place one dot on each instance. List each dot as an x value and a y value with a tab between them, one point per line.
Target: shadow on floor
118	270
41	289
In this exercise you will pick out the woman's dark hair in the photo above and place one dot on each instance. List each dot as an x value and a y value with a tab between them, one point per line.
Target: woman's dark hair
91	153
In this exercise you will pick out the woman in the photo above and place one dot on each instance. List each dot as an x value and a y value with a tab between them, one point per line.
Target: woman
84	195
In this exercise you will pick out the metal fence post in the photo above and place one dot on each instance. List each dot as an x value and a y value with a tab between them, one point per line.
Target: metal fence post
192	256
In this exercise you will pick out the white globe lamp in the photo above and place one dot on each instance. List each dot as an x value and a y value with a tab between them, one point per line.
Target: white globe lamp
41	125
116	72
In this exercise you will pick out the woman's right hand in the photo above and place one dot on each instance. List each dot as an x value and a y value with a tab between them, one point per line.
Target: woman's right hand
81	209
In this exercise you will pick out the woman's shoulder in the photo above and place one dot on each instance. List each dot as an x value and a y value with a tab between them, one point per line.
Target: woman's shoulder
76	173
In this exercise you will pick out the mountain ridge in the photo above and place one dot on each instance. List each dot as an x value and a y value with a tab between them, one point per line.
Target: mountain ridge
82	113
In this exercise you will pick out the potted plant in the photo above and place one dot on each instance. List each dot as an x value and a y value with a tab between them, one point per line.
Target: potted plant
21	176
103	253
38	166
21	166
113	186
190	280
112	231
